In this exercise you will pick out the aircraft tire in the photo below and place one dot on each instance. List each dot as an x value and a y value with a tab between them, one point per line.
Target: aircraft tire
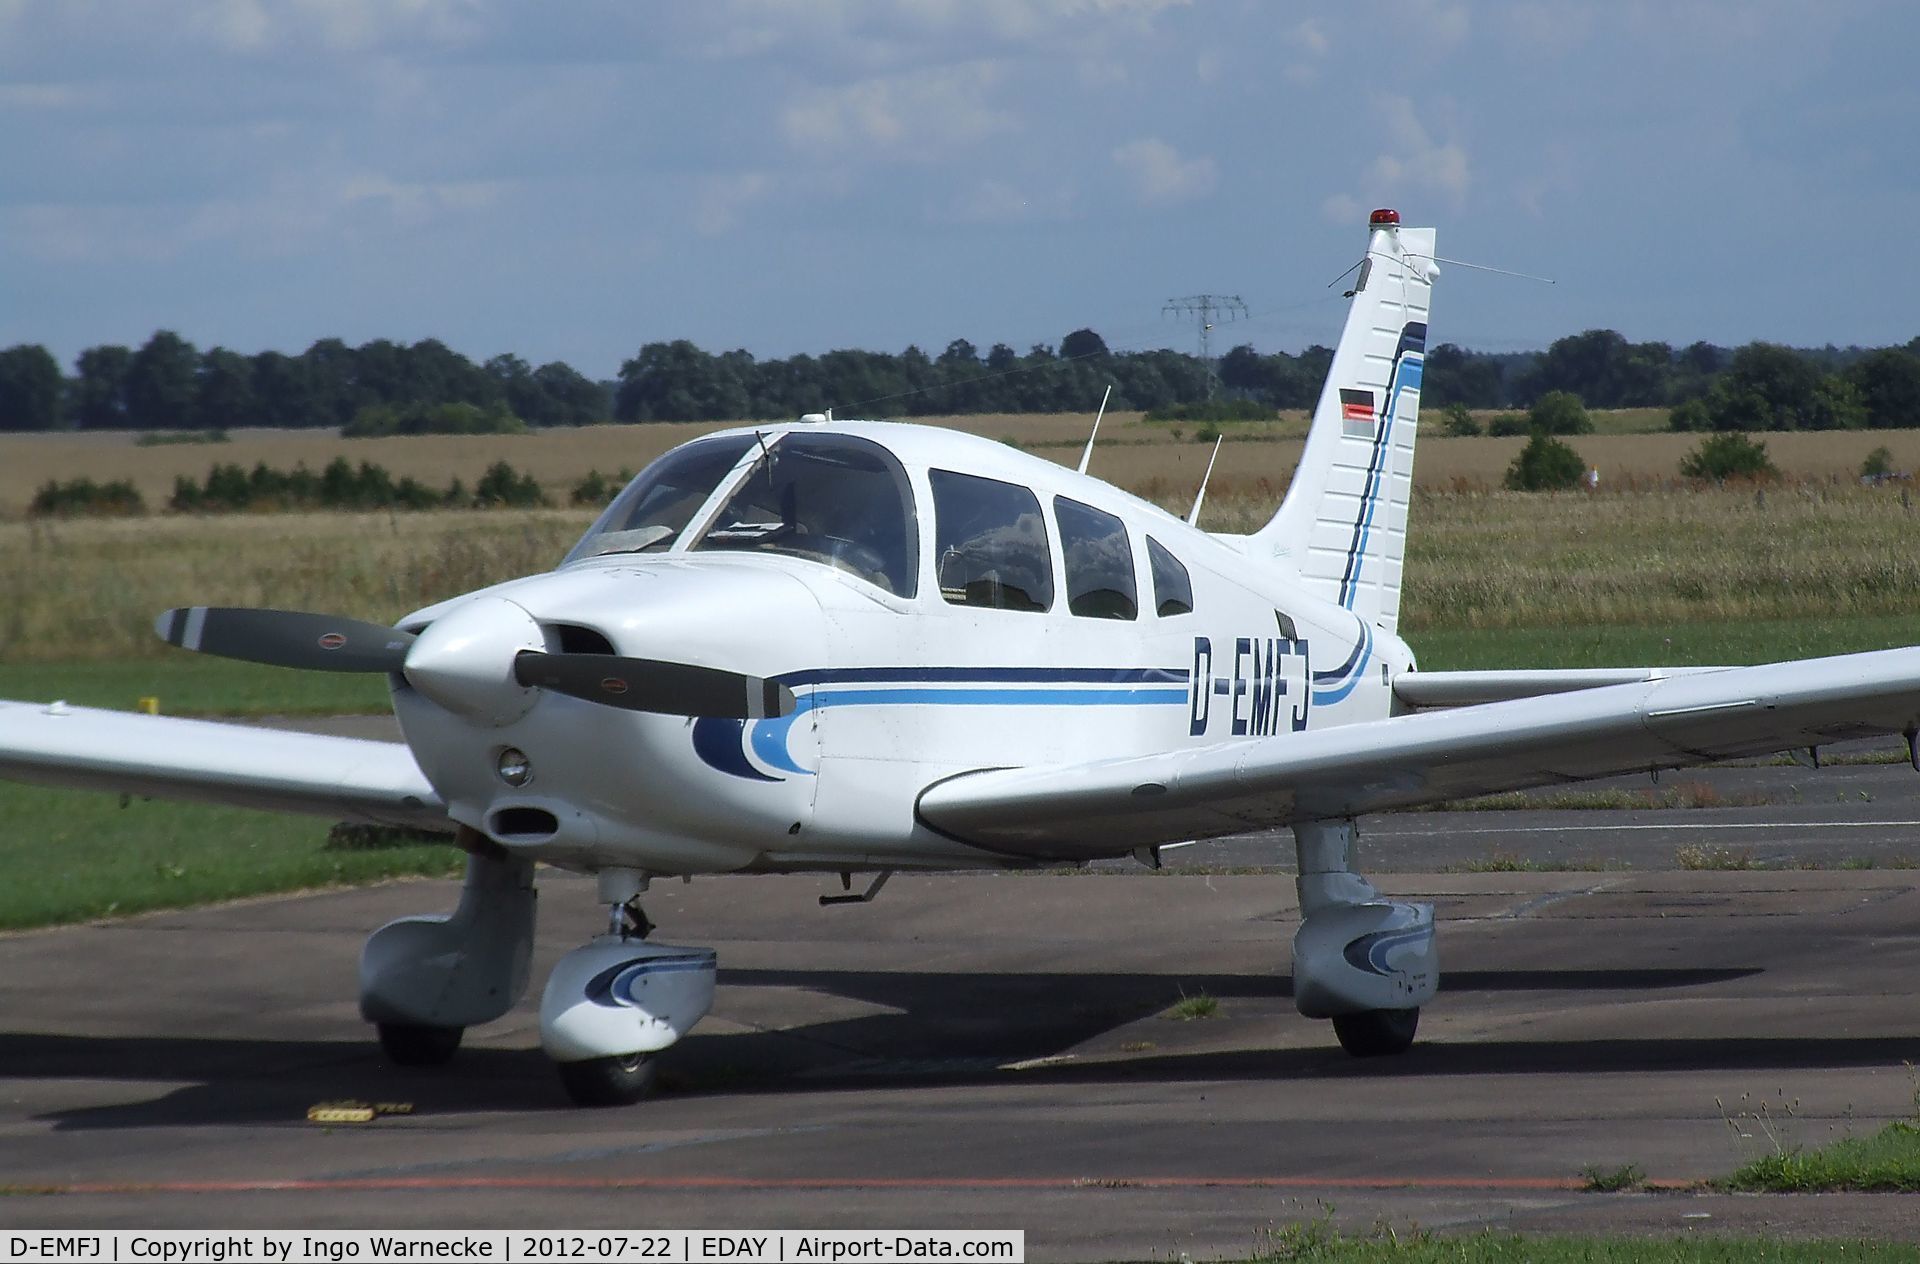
619	1081
419	1045
1375	1033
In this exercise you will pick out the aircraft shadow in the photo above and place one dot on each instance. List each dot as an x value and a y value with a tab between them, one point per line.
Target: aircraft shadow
926	1028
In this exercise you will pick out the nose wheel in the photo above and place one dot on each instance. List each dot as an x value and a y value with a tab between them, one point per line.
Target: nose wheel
617	1081
628	920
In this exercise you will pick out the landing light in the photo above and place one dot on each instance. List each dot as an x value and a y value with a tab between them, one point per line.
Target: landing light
514	767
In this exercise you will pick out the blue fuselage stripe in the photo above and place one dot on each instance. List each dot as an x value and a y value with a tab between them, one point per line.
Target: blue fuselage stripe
988	675
996	697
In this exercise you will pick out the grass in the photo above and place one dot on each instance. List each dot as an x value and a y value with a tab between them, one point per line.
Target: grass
1697	857
73	591
1683	794
72	856
1509	862
195	684
1189	1008
1679	643
1886	1162
1611	1180
1318	1243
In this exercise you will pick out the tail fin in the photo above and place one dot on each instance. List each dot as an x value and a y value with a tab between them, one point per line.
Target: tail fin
1343	525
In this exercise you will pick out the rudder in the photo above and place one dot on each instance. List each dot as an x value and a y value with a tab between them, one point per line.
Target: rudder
1343	524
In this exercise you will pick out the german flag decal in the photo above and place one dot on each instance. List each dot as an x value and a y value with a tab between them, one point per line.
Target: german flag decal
1356	412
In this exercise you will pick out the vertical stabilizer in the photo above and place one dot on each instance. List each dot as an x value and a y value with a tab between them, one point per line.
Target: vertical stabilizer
1343	525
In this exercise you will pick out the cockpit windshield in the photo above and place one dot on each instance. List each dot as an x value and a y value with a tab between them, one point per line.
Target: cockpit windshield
655	508
832	498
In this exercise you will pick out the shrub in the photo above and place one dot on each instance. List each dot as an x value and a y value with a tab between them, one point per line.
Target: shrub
1545	465
84	496
502	487
170	438
1457	422
1507	425
343	485
1691	415
379	420
1559	413
1878	465
597	489
1728	454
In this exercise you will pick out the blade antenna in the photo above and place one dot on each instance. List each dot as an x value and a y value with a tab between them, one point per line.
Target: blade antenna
1088	454
1200	497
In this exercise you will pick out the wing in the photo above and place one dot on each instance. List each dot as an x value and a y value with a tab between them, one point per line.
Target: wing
163	757
1110	807
1426	690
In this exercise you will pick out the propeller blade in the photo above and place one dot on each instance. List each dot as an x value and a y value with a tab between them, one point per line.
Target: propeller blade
286	638
646	684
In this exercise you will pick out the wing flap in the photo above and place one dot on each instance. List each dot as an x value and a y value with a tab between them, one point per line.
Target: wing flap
1426	690
235	764
1110	807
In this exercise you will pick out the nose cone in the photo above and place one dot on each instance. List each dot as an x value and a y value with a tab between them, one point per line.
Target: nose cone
464	660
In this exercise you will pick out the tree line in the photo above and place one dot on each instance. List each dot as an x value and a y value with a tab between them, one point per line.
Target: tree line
384	387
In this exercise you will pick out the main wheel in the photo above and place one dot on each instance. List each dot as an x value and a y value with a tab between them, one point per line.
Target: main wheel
1375	1033
418	1045
608	1081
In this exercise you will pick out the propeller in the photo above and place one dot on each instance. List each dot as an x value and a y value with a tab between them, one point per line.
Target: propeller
647	684
286	638
323	642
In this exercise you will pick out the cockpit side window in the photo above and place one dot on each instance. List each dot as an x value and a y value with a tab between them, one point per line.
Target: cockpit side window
1099	561
990	543
1172	590
655	508
831	498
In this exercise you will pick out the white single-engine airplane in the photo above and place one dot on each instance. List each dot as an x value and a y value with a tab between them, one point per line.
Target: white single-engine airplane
865	647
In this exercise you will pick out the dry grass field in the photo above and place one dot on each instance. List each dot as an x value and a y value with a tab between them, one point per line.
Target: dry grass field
88	589
1148	458
1645	549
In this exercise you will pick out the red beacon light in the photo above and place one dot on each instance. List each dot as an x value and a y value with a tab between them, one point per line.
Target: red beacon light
1384	218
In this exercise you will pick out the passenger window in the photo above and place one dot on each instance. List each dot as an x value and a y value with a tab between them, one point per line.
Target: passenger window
1099	561
1172	590
991	543
830	498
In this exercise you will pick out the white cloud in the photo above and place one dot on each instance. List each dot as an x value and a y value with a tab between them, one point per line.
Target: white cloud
920	116
1341	208
1160	175
1546	28
997	202
1440	26
294	214
1310	45
722	200
1414	162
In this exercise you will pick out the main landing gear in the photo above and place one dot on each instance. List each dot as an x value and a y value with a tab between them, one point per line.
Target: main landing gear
608	1007
1367	963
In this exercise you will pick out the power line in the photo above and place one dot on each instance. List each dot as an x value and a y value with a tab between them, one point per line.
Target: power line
1206	310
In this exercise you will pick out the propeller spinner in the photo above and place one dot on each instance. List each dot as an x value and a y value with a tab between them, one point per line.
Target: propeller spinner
473	660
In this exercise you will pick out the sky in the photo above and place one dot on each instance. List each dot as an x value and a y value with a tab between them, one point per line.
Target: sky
574	180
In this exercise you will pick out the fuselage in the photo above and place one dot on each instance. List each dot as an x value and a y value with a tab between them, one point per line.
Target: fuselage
996	610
